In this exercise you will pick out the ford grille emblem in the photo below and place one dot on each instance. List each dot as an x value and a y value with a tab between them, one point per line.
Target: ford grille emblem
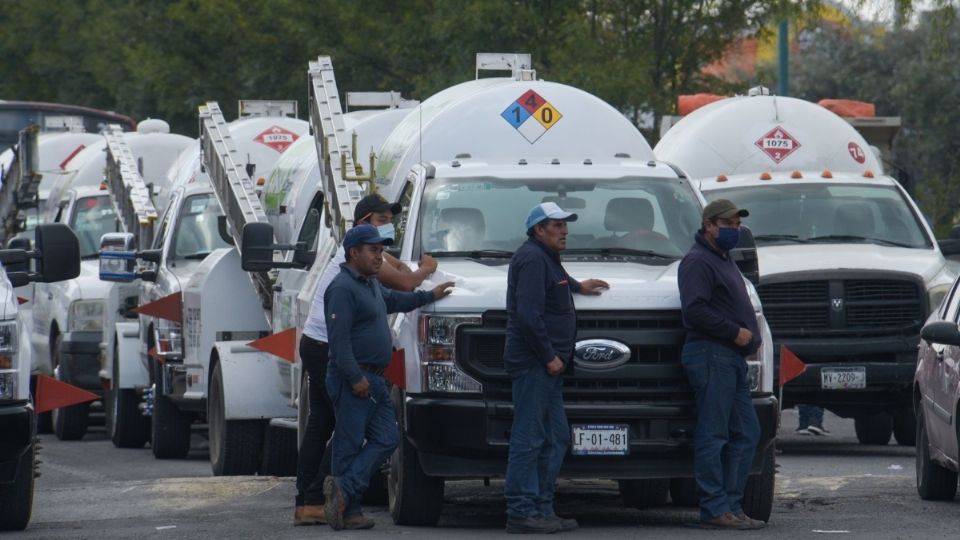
837	304
600	354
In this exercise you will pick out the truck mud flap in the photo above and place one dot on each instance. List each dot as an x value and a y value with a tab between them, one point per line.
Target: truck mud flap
251	383
133	370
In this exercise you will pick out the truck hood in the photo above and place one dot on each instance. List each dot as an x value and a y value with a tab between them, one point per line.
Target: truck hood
774	260
633	285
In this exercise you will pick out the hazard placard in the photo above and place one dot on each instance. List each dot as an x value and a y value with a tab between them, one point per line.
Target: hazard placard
277	138
856	152
777	144
531	115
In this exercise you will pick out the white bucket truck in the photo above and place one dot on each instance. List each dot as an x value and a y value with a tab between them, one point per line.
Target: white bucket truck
467	166
850	268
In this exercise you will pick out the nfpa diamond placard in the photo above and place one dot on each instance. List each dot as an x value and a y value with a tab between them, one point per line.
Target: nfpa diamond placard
277	138
777	144
531	115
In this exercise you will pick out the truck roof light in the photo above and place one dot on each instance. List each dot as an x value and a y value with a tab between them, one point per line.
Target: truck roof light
765	176
554	161
261	181
722	178
522	162
455	163
796	174
826	174
103	186
622	155
587	162
651	163
868	174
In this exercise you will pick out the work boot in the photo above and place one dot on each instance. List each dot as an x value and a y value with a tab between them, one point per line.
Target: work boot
357	521
536	524
726	521
566	524
335	504
754	523
309	514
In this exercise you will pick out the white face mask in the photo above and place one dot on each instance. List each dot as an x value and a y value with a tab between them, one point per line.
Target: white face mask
387	231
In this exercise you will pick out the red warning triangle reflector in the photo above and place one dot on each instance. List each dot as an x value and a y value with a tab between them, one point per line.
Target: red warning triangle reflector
396	372
21	300
169	307
152	353
282	344
791	366
54	394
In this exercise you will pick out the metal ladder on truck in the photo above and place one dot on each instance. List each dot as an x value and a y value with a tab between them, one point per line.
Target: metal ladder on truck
21	182
129	192
341	179
233	187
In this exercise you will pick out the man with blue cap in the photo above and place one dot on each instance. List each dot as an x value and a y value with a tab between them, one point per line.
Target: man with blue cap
356	308
541	332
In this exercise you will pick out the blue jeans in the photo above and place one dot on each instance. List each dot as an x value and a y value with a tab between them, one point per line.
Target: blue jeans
538	443
727	431
810	415
373	419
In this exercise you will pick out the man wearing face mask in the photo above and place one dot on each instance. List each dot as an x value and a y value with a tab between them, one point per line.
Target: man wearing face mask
721	331
313	463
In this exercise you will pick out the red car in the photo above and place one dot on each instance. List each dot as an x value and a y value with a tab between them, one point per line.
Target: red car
936	394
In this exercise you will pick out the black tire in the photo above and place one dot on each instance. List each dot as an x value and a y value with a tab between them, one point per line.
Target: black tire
758	495
647	493
69	423
905	428
169	426
683	492
414	497
279	452
874	428
16	498
127	426
934	483
234	444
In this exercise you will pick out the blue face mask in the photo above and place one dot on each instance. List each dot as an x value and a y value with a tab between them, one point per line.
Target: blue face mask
728	238
387	231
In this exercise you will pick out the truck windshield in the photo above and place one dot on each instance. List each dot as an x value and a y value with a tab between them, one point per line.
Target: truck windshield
652	216
196	235
834	213
92	219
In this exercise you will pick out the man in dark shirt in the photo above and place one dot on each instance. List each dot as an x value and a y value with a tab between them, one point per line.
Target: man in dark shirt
541	332
356	308
721	330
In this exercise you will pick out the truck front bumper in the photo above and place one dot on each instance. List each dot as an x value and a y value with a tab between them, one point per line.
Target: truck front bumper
18	424
80	360
469	438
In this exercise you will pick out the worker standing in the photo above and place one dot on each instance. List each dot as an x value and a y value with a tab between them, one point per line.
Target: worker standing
356	308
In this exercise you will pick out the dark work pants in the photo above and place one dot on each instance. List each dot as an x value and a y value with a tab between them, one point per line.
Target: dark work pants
313	461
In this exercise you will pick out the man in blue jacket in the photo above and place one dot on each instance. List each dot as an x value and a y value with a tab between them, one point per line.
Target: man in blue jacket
356	308
541	332
721	330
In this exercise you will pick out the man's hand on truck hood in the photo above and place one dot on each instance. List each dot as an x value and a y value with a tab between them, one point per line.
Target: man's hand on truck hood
442	290
592	287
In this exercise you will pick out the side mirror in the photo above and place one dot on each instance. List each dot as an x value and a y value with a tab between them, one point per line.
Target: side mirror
58	253
16	264
949	246
19	242
256	247
745	256
942	332
118	257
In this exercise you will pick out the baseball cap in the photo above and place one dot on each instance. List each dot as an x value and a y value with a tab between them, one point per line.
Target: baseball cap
374	203
364	234
548	210
723	208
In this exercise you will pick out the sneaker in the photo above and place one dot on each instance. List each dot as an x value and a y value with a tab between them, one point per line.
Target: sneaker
566	524
726	521
309	514
532	525
357	521
754	523
335	504
803	431
818	430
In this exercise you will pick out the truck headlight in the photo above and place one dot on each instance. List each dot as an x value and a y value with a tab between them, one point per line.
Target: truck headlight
85	315
438	354
9	361
168	336
760	363
935	296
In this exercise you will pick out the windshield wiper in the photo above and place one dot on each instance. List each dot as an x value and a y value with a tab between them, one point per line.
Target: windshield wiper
788	237
619	251
196	256
475	254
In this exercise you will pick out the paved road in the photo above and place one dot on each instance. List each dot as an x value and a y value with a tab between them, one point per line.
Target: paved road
826	487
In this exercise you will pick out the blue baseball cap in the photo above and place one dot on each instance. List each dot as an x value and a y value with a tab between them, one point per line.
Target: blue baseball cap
548	210
364	234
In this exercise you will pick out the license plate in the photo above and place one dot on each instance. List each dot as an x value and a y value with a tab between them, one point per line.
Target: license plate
600	440
843	378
